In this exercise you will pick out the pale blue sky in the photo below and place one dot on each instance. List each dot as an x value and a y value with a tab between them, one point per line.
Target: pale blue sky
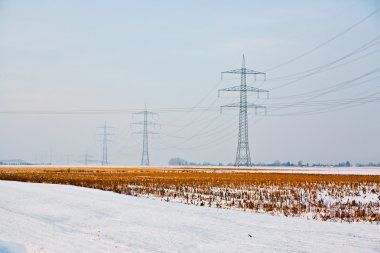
105	55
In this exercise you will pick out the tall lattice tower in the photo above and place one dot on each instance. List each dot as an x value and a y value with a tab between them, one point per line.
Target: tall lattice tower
243	156
145	133
105	141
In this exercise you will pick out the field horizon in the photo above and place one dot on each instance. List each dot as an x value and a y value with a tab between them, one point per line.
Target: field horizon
334	195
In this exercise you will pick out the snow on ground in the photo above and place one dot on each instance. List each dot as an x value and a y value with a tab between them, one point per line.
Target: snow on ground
59	218
325	170
9	247
306	170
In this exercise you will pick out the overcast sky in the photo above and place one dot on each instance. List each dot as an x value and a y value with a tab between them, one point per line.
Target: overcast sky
67	56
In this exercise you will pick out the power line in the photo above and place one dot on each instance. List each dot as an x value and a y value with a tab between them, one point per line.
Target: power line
220	138
323	43
317	91
334	88
324	67
335	107
197	134
330	65
105	112
131	111
335	102
280	106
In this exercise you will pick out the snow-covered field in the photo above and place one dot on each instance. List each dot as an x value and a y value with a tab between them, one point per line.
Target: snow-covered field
254	169
58	218
324	170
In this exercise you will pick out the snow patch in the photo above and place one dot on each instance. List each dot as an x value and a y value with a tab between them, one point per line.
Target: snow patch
11	247
61	218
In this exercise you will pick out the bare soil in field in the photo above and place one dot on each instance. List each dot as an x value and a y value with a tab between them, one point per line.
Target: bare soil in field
345	198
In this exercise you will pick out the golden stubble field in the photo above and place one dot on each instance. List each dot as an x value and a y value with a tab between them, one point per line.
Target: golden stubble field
343	198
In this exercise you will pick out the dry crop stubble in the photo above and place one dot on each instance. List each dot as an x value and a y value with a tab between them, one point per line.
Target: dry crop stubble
317	196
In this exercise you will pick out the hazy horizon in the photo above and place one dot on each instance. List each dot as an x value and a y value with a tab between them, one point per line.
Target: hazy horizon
67	67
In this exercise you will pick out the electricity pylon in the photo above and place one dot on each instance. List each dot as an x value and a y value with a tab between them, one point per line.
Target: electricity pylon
105	140
86	160
145	154
243	156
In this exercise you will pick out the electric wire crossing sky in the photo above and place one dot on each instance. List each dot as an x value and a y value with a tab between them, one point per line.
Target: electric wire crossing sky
243	156
323	76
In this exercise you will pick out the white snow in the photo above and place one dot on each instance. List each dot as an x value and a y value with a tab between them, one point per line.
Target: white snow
59	218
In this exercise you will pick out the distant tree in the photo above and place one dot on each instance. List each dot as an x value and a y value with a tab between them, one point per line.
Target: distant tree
177	161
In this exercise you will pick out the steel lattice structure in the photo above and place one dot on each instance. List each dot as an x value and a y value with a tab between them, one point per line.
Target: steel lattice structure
145	154
243	156
105	140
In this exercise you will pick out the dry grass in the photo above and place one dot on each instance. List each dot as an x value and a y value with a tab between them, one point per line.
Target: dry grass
323	197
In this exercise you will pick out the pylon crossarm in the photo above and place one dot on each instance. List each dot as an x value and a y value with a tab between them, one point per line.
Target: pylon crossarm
234	71
234	88
256	107
243	71
234	105
239	88
253	72
142	123
231	105
249	105
252	105
253	89
147	112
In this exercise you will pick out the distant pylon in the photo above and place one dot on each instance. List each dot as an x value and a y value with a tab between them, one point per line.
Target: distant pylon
145	153
105	140
243	156
86	158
